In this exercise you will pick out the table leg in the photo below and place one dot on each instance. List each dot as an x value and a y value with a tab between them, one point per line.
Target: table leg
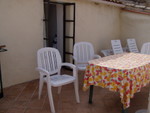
124	110
1	87
91	94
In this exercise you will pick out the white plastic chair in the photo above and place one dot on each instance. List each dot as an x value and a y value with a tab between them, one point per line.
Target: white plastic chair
107	52
82	53
132	45
116	46
49	66
146	48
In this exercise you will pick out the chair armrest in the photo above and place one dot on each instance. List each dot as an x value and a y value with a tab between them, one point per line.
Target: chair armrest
72	66
69	65
96	56
105	52
42	71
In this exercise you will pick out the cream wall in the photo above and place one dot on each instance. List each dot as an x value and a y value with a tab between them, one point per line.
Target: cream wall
21	30
134	25
96	23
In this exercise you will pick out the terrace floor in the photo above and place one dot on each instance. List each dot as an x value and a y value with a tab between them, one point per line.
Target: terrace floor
23	98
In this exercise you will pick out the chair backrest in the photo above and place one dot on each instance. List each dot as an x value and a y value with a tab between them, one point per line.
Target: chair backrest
116	46
132	45
146	48
83	52
49	59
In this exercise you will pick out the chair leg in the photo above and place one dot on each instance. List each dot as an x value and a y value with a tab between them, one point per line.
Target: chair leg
50	96
59	89
40	86
76	87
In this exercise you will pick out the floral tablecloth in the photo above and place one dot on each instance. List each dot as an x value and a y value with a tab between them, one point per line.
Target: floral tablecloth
125	73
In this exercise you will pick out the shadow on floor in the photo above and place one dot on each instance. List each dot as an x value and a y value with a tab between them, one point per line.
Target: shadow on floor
23	98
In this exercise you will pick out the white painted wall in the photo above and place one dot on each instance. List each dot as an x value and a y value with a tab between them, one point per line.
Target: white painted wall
21	30
96	23
134	25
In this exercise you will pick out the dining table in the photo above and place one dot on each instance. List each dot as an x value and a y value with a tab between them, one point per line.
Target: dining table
125	73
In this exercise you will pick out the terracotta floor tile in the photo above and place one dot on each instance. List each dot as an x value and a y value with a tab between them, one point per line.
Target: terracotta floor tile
35	102
38	104
7	102
36	111
20	104
23	98
99	110
83	110
3	110
14	110
28	91
14	90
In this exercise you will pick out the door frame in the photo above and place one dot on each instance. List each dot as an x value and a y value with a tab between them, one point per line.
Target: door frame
46	17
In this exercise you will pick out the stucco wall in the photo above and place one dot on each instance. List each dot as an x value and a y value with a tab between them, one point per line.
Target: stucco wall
21	30
96	23
134	25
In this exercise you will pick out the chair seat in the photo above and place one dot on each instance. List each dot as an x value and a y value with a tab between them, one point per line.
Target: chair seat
81	66
59	80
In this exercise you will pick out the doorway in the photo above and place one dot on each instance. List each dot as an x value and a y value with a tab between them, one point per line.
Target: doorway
59	27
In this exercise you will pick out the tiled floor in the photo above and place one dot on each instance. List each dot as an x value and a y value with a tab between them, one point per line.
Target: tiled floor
23	98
